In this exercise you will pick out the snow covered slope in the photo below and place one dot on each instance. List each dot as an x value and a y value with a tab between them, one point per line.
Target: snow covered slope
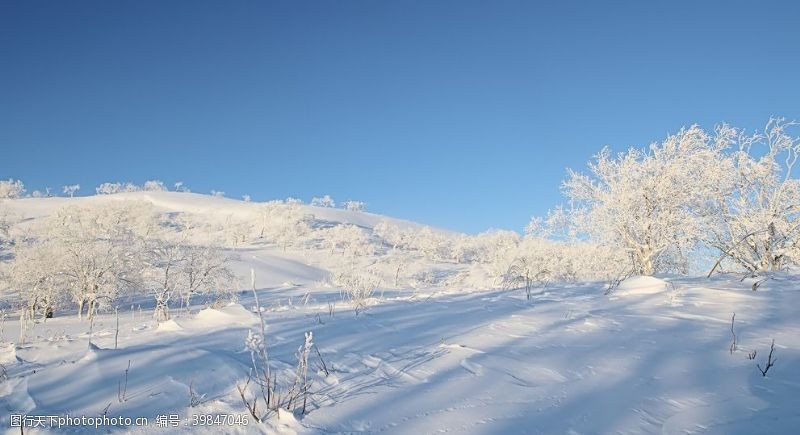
653	357
191	203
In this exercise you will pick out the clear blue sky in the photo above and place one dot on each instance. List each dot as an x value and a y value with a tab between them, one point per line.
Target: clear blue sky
459	114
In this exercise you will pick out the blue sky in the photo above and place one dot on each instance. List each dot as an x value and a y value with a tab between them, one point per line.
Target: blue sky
459	114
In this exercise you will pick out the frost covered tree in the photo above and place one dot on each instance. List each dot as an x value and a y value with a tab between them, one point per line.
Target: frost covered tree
354	205
181	187
94	251
392	234
284	223
325	201
650	204
162	275
108	188
154	186
205	271
38	285
71	189
10	189
348	238
756	215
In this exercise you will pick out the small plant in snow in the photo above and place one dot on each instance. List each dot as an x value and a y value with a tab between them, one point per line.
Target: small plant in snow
122	389
301	384
194	398
358	288
526	272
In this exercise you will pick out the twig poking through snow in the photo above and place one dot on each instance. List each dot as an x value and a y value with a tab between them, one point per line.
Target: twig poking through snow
122	390
733	344
770	361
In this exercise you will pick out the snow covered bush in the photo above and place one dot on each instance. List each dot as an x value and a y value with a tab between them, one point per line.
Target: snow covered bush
355	287
10	189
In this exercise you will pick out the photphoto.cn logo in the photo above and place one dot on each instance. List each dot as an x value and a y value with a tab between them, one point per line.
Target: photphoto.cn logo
62	421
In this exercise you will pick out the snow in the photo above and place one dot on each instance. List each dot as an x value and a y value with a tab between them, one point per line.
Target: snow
642	285
652	357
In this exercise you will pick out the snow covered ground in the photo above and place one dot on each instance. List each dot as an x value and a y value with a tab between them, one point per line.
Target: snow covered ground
654	356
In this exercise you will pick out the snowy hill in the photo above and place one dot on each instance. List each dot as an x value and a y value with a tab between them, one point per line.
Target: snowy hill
192	203
426	350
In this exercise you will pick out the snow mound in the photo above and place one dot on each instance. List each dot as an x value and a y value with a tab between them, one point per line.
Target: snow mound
234	313
169	325
642	285
8	354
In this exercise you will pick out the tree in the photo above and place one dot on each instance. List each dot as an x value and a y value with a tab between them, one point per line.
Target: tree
639	201
206	271
108	188
163	273
347	237
71	189
756	214
95	250
354	206
10	189
325	201
154	186
38	284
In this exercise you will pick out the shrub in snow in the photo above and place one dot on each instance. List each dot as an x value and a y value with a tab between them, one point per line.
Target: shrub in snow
355	287
10	189
180	187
